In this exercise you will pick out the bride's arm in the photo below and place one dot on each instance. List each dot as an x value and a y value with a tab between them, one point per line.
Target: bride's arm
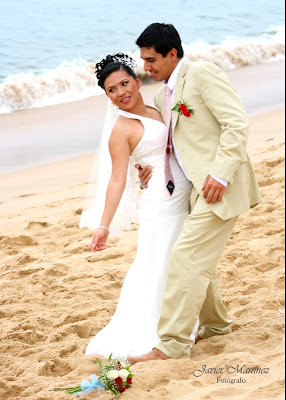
119	149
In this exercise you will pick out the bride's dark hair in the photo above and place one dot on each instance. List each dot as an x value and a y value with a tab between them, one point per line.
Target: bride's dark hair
112	63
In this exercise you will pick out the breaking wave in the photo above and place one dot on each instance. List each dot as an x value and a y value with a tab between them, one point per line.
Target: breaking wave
75	80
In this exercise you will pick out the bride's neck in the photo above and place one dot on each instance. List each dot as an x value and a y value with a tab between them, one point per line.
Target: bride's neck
139	108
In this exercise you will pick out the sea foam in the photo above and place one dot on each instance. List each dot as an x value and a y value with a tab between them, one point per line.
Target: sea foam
76	80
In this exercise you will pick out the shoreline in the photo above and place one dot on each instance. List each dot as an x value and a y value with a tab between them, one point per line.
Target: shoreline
38	136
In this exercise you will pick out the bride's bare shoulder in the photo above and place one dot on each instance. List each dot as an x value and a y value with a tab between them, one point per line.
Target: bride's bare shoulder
154	113
126	126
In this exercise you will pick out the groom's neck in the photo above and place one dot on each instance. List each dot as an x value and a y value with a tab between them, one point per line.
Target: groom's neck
174	66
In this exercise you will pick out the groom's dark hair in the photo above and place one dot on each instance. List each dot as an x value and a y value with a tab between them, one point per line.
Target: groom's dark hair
163	37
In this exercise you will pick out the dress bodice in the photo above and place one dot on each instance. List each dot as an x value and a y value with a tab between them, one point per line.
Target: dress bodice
151	148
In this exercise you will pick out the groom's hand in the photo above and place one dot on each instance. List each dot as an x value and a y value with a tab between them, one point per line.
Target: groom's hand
144	174
213	190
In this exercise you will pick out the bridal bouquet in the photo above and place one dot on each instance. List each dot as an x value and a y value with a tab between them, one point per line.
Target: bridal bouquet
115	376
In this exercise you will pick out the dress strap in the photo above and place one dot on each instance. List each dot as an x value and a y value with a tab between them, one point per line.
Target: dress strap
130	115
136	116
152	106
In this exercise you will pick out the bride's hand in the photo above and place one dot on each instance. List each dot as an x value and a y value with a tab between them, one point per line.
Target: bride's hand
99	240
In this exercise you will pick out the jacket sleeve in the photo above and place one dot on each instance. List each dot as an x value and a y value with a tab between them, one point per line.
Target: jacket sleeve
155	101
224	103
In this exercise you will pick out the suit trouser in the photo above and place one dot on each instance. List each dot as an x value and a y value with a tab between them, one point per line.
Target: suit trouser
192	289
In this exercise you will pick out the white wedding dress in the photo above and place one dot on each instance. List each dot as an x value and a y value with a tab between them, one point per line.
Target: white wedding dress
132	330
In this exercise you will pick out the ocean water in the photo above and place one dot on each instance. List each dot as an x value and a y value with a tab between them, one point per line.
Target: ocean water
48	48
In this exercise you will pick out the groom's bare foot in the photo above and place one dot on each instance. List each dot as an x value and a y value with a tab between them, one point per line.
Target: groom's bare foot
198	338
154	355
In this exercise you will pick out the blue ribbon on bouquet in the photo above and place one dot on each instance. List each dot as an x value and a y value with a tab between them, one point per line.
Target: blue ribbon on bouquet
88	387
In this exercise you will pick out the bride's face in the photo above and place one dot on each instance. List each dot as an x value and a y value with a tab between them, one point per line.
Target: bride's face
122	89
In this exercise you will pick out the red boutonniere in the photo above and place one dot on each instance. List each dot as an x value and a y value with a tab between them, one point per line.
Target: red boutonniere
183	108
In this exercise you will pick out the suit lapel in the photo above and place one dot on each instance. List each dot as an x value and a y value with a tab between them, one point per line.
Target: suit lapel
178	92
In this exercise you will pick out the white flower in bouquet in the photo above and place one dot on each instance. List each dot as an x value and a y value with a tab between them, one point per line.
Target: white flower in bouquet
123	374
112	375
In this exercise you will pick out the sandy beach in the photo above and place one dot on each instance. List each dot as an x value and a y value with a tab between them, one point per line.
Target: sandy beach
56	295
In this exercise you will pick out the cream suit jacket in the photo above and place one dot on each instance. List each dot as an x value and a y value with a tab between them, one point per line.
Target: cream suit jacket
212	141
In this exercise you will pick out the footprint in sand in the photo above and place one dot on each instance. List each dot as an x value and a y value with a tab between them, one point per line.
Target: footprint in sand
97	258
244	301
212	349
25	259
252	288
112	241
267	266
27	336
197	383
277	253
269	181
37	224
26	195
275	231
269	209
279	282
69	319
71	225
83	330
274	163
239	313
68	350
12	252
162	392
9	251
57	270
55	367
75	249
21	240
271	305
27	271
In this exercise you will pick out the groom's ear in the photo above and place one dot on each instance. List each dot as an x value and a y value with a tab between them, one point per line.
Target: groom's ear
173	54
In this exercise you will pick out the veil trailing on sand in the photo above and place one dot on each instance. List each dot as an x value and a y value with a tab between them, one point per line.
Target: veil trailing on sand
94	202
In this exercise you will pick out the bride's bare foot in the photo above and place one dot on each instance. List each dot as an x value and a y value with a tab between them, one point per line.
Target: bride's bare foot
154	355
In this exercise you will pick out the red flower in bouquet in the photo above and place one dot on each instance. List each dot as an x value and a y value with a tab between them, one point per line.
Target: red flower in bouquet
118	382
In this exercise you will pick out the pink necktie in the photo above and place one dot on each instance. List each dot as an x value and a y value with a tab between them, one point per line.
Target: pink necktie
169	180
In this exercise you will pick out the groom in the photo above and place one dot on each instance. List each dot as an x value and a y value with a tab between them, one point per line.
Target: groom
209	145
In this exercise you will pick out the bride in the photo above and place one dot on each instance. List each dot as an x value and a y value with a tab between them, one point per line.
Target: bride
137	133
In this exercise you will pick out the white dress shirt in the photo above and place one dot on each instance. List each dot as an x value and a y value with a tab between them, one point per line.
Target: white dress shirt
171	85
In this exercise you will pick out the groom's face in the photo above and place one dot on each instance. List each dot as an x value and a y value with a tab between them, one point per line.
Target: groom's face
159	67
